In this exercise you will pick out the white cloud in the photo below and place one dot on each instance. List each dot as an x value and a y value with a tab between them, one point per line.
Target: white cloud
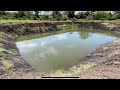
43	44
48	52
26	45
61	37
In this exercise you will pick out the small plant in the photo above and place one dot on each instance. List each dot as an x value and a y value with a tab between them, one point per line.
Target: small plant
64	18
7	64
2	49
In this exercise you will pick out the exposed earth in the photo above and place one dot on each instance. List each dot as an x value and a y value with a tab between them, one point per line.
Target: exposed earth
104	63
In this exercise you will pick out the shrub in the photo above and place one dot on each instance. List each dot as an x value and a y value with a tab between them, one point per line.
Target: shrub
112	18
99	15
81	15
64	17
90	17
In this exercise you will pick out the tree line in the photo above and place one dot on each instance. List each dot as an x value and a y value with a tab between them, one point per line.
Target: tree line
61	15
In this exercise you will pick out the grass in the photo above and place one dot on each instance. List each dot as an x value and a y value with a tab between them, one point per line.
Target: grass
74	28
82	20
28	37
74	71
85	20
13	21
2	49
7	64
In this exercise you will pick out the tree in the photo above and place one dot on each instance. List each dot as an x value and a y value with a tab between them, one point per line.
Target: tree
20	14
99	15
36	14
81	15
29	14
56	15
65	13
117	13
2	13
71	14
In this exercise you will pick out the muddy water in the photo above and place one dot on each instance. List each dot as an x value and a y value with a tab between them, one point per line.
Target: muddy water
61	51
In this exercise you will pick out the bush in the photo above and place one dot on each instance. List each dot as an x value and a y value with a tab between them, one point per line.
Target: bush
112	18
64	17
50	18
81	15
74	19
44	17
99	15
90	17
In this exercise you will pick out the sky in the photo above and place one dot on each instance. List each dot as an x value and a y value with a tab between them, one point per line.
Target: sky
42	12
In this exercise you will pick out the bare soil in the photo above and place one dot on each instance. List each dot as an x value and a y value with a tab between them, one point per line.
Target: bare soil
106	57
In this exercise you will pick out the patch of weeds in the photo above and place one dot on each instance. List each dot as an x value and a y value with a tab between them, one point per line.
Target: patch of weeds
19	31
59	72
87	65
2	33
11	53
2	57
5	52
7	64
43	29
2	49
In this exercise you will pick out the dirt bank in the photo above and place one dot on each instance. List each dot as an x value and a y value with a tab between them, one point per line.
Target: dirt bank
106	58
9	55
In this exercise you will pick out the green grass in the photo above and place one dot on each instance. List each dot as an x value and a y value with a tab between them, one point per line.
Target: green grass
73	71
13	21
84	20
7	64
2	49
28	37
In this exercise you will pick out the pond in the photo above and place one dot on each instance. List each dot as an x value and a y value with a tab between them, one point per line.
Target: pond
55	51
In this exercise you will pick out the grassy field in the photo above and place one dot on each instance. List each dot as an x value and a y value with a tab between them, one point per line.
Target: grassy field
8	21
82	20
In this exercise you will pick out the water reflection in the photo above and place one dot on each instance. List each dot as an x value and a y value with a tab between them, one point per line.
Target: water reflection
84	35
61	50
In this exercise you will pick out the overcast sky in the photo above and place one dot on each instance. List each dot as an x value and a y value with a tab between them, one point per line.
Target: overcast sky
43	12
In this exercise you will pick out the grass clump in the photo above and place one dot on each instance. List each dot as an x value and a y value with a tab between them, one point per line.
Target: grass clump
7	64
2	49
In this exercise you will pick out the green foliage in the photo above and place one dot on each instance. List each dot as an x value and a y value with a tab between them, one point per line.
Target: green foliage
100	15
64	18
82	15
2	49
7	64
71	14
44	17
117	14
89	17
56	15
60	15
50	17
23	15
112	17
